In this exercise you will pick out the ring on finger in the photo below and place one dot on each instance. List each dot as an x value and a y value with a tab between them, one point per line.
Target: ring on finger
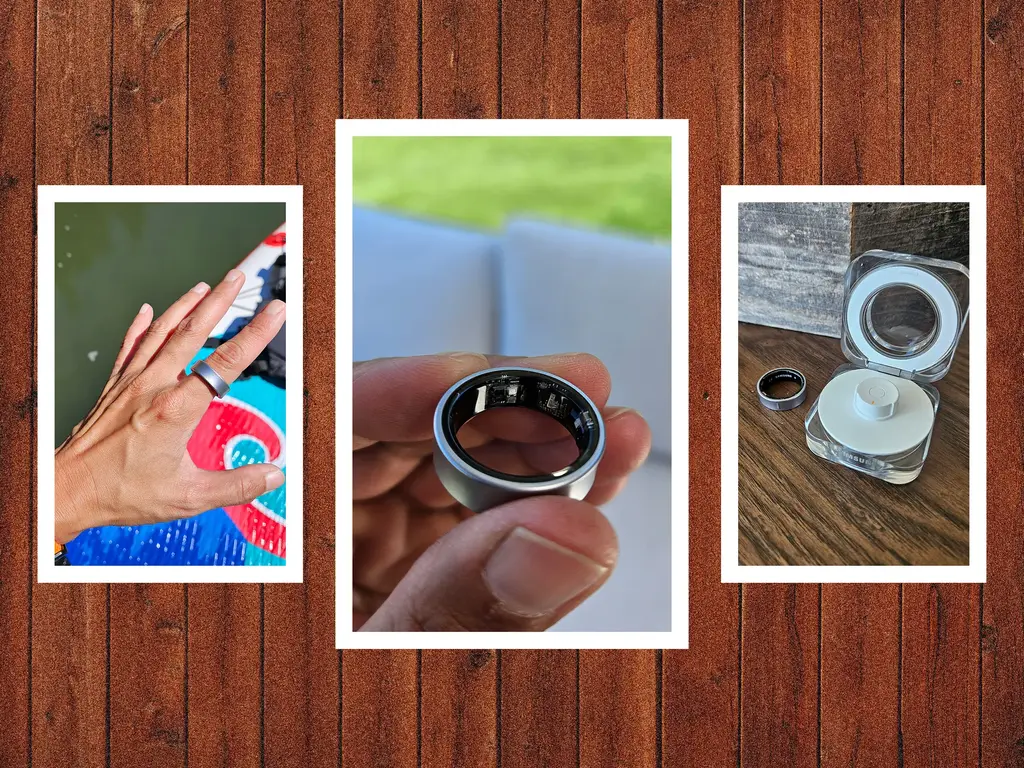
211	378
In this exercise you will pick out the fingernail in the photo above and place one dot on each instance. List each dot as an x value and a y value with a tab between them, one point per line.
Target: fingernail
201	288
233	276
274	478
532	576
467	357
275	307
614	413
144	308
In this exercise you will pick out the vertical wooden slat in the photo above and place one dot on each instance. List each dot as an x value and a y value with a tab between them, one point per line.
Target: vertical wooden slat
618	708
458	704
700	686
862	92
782	66
540	63
381	58
618	704
460	58
780	623
148	622
149	92
380	710
1002	729
943	145
379	689
942	107
225	94
861	144
780	675
619	59
70	622
300	664
17	394
538	697
539	709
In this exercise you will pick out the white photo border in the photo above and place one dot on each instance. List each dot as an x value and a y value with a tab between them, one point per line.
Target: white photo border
677	637
732	571
48	197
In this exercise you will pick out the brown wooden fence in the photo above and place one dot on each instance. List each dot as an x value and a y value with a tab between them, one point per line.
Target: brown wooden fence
777	91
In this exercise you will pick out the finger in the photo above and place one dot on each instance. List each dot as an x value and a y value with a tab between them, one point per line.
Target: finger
378	469
394	398
193	330
132	338
231	487
232	357
163	326
520	567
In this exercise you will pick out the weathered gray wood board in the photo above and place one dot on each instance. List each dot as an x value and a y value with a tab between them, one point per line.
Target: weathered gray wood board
793	256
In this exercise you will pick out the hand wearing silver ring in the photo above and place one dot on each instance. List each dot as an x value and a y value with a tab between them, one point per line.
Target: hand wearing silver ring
422	560
127	462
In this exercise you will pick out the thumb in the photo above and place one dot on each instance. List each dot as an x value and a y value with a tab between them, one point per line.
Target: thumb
238	486
518	567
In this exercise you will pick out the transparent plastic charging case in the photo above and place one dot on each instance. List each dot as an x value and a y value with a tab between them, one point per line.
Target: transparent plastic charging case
902	319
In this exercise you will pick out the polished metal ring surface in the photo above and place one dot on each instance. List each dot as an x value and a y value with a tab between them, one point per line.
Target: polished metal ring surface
479	487
781	403
211	377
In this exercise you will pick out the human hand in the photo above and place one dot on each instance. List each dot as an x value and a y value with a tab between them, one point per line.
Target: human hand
424	562
127	462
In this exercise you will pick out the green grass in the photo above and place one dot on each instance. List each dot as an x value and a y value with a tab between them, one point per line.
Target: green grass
614	183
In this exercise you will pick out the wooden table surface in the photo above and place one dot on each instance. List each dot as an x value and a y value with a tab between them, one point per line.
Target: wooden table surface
798	509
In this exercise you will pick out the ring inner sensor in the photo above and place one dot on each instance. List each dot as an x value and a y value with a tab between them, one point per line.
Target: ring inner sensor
480	487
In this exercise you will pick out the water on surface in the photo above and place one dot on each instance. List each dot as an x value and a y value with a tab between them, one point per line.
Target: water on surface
112	257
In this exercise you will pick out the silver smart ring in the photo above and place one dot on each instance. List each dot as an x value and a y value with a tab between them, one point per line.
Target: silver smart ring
479	487
211	378
781	403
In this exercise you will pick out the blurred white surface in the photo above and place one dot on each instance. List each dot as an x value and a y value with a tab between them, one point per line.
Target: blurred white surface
538	288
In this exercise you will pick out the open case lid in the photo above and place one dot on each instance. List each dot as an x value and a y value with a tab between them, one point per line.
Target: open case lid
903	315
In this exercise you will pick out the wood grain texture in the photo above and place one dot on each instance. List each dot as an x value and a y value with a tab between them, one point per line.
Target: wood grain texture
798	509
540	61
17	390
70	662
943	145
459	708
860	685
380	43
780	625
148	623
619	708
149	92
934	230
1002	639
775	93
861	92
539	709
862	142
700	687
779	682
300	666
781	93
619	67
792	260
380	709
225	91
460	58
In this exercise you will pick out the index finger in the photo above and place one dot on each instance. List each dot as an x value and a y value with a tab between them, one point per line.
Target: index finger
393	399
